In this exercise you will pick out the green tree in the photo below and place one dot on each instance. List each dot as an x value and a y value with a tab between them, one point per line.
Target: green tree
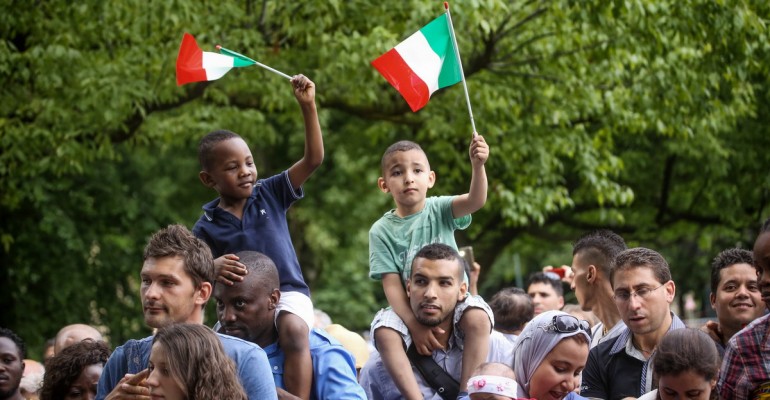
649	118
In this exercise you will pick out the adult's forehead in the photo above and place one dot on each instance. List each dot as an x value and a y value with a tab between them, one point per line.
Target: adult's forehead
8	346
437	267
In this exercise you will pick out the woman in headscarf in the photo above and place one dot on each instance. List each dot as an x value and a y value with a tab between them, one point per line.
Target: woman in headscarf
549	356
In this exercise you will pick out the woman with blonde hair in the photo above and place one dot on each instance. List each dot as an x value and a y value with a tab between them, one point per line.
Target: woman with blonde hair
188	362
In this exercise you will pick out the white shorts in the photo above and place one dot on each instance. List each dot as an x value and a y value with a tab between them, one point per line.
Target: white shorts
298	304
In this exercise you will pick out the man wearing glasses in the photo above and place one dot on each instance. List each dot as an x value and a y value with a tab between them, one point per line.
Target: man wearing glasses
643	292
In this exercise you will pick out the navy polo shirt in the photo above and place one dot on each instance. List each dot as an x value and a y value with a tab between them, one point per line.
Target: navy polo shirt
263	229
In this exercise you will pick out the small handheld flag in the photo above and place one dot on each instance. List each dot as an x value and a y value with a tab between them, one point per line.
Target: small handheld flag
196	65
422	64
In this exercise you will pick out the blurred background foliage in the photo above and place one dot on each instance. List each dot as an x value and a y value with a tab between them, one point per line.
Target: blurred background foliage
646	117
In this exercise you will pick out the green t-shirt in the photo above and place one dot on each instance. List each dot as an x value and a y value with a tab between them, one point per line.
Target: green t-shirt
393	241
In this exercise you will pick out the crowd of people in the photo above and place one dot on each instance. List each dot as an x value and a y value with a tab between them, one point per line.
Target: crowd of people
438	339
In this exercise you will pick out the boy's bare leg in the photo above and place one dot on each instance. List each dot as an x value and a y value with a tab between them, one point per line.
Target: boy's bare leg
293	337
391	348
476	328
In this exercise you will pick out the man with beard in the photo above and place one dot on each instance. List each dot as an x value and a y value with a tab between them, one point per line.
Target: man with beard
434	288
12	355
247	310
176	282
745	372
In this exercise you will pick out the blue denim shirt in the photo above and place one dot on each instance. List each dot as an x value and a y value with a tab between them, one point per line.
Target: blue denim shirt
251	364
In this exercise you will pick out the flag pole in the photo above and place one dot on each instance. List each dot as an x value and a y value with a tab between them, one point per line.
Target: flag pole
460	63
232	53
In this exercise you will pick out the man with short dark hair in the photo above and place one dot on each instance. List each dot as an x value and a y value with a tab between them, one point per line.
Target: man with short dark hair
247	310
643	292
745	372
12	355
592	258
512	308
547	293
734	295
434	288
176	282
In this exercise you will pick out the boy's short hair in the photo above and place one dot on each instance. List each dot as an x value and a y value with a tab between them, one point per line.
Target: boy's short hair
401	145
209	141
542	277
725	259
640	257
177	241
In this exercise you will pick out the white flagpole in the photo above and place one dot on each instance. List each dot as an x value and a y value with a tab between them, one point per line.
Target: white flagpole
257	63
460	63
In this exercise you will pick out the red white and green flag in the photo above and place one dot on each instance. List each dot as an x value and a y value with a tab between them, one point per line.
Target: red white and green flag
196	65
422	64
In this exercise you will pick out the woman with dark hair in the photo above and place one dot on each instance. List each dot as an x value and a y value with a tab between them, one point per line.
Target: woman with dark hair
188	362
74	372
686	364
549	356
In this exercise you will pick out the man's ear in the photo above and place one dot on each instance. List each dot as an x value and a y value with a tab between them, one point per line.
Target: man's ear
463	291
206	179
713	299
382	185
561	302
275	297
670	291
204	293
591	274
409	287
431	179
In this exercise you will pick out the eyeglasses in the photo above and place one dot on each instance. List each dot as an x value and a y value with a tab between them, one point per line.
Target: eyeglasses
567	324
643	293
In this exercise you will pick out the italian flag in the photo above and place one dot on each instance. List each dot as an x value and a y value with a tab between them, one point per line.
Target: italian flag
196	65
421	64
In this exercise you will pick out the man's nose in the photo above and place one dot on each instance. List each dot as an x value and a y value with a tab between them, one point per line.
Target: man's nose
228	314
152	291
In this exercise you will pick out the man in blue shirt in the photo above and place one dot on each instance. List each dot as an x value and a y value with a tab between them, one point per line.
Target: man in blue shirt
176	283
247	310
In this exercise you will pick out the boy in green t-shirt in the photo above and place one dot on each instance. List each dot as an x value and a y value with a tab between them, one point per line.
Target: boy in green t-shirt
394	239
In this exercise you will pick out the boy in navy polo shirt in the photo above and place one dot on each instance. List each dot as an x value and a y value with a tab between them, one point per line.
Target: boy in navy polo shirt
250	214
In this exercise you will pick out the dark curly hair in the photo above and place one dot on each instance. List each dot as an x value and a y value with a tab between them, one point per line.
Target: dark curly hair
728	258
207	144
64	368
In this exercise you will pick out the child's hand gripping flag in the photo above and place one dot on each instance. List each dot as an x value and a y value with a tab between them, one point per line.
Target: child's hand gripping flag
196	65
423	63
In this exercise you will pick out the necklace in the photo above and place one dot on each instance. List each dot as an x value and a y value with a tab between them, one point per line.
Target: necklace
644	351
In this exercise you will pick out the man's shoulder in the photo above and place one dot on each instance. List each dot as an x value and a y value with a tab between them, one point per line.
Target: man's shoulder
755	332
237	344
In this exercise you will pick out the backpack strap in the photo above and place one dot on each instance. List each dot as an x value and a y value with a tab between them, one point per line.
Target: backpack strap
444	384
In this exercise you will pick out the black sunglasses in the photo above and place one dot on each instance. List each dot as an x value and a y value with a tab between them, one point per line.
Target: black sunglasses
568	324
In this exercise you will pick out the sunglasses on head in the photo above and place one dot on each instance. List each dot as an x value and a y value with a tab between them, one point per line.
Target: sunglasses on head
568	324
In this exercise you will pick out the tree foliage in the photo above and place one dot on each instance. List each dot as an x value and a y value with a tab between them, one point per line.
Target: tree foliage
647	117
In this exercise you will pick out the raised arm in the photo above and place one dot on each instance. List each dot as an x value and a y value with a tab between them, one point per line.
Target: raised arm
476	197
304	91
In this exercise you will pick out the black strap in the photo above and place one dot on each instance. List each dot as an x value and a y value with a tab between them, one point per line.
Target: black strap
446	386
